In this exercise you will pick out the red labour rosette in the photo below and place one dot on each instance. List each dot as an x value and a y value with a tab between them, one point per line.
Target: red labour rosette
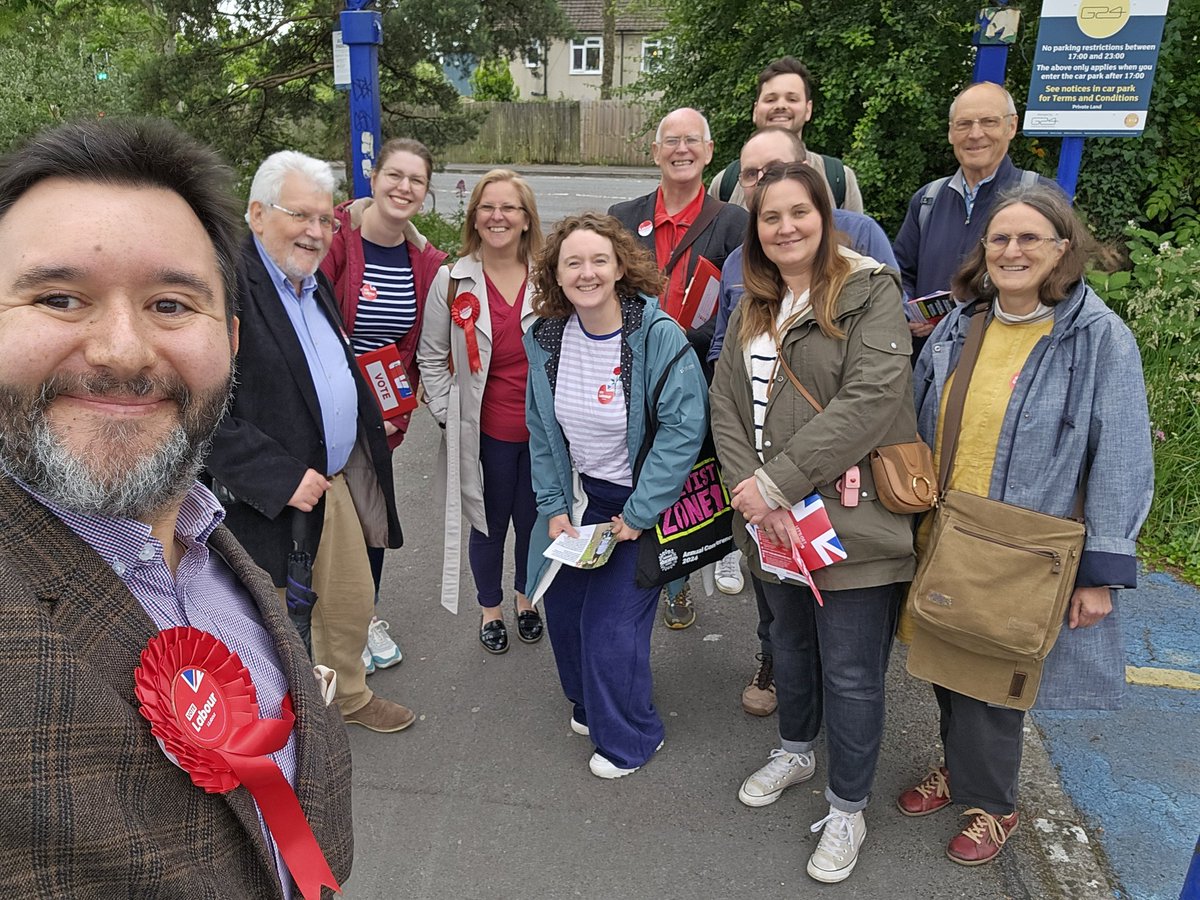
464	312
200	702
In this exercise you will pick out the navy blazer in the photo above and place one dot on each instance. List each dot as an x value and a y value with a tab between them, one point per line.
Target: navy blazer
273	432
720	237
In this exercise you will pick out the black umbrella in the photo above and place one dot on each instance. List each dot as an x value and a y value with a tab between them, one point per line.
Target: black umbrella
300	596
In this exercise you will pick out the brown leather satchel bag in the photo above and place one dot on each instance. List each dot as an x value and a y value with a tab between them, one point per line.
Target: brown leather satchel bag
903	473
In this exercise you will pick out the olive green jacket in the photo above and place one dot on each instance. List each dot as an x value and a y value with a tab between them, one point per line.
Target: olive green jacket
864	384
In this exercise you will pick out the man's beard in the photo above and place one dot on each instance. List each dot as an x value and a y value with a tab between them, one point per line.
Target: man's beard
109	476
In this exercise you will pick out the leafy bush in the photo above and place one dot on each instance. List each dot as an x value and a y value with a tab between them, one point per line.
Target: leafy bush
1159	299
492	81
444	233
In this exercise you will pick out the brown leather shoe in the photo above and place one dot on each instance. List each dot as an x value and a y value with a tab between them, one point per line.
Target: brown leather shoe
982	840
932	794
758	698
381	715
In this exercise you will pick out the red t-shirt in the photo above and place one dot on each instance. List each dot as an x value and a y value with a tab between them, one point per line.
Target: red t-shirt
669	231
502	415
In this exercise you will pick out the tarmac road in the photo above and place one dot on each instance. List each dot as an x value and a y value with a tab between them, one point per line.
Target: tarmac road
560	190
488	795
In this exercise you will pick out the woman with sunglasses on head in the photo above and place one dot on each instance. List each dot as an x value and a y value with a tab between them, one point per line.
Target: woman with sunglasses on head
1054	414
596	357
381	268
474	369
823	316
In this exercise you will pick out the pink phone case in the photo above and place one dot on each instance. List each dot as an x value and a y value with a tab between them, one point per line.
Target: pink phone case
849	485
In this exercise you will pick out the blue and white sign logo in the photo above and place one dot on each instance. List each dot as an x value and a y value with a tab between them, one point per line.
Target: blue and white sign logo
1094	67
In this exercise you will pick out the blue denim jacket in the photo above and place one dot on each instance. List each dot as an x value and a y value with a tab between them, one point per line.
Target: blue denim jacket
1077	415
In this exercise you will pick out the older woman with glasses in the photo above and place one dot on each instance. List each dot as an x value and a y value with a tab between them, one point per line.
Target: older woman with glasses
1055	409
381	268
822	316
474	369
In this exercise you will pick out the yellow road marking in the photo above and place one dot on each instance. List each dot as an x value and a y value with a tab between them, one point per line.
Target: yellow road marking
1172	678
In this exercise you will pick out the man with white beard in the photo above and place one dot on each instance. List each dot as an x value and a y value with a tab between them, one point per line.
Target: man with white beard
117	577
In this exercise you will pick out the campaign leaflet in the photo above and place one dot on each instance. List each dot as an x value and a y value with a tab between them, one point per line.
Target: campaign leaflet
384	372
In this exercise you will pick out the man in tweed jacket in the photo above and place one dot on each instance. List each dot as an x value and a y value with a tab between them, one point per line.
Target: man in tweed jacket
117	338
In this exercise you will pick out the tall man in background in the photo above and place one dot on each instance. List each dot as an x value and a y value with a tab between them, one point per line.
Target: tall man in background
784	99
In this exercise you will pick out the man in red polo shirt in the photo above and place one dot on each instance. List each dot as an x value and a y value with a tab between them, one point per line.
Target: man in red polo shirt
662	219
681	224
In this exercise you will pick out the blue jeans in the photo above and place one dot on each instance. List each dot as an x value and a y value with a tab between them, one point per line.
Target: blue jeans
830	664
600	622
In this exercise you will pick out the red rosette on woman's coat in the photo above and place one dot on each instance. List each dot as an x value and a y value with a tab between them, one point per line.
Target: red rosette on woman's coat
201	705
464	312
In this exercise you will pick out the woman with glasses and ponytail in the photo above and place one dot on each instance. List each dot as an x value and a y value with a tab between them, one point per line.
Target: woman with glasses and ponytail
381	268
819	316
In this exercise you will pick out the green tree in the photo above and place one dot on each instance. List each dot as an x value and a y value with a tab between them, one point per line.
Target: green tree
253	76
491	80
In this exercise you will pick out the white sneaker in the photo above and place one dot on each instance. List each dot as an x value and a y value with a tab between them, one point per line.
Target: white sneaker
579	728
836	854
782	770
368	662
384	651
602	768
729	573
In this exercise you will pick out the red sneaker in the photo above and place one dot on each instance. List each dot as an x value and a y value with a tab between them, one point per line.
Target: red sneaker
983	839
927	797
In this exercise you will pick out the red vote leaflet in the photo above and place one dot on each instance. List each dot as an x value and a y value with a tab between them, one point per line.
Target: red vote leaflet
385	373
700	300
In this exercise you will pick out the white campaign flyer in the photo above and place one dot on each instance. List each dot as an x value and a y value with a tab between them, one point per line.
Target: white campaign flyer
590	550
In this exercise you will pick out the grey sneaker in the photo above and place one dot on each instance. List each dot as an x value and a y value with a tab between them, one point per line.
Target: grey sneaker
782	770
837	853
680	613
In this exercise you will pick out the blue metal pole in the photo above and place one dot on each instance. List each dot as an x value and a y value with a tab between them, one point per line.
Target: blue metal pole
991	60
362	33
1069	158
990	63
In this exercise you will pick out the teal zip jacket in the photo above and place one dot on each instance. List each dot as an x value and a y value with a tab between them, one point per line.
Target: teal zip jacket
650	339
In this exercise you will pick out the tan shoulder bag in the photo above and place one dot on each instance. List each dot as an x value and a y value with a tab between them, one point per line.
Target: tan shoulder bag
993	583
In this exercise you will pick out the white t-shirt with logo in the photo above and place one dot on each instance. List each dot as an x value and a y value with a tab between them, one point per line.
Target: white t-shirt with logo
589	403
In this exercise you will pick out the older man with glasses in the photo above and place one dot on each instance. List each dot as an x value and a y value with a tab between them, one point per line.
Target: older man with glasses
301	460
679	223
945	217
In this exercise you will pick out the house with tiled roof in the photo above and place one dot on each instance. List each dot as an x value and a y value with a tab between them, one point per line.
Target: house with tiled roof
570	69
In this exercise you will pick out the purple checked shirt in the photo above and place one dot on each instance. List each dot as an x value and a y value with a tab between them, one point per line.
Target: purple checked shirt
203	593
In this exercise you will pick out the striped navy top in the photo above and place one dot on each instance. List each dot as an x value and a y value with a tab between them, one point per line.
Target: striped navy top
387	304
762	360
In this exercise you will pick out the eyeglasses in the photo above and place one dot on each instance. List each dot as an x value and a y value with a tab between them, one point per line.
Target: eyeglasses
751	176
416	181
691	142
507	210
327	223
987	123
998	243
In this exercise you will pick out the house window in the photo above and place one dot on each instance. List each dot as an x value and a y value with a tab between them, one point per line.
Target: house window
587	56
652	54
533	55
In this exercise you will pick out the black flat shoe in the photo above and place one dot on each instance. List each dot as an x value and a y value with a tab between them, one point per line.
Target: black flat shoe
529	625
493	636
